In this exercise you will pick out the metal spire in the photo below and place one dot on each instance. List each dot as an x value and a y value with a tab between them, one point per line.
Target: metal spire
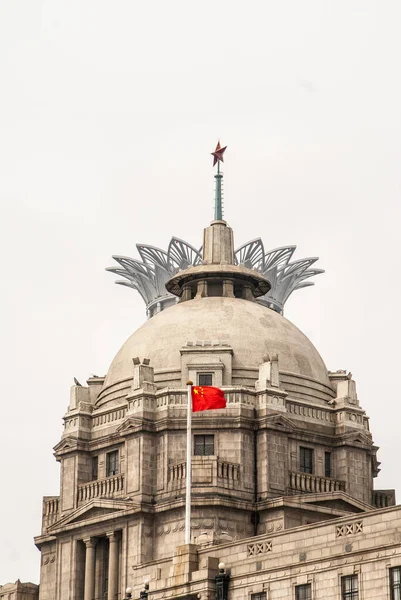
217	158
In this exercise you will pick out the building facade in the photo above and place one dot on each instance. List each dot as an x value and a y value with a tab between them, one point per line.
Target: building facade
282	479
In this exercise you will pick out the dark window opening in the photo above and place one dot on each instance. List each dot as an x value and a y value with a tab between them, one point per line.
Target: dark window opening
215	288
306	460
349	587
95	467
112	463
205	379
203	445
238	291
327	464
303	592
260	596
395	583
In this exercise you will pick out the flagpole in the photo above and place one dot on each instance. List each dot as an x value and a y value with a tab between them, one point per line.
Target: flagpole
189	465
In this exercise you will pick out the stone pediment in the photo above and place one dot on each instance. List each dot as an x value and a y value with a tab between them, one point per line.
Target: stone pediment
134	425
130	425
92	510
358	438
68	444
278	422
336	501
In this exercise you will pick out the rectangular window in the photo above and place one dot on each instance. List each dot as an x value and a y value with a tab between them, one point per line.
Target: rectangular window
205	379
203	445
349	587
395	583
112	463
306	460
327	464
95	465
260	596
303	592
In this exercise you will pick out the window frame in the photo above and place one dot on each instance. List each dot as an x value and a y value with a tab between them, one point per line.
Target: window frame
303	586
395	585
95	468
203	446
205	374
303	467
112	472
352	594
328	464
258	596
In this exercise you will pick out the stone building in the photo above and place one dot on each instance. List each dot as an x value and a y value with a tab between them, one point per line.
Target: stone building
282	479
19	591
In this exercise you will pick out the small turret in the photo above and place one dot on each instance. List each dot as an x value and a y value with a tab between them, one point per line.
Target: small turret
218	275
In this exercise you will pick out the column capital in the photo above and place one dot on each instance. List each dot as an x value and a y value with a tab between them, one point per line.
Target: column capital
113	536
90	542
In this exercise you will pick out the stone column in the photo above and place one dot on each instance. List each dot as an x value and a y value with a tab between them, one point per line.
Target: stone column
228	288
113	566
90	544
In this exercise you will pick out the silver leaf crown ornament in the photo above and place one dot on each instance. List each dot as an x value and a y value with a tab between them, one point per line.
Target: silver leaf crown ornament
149	275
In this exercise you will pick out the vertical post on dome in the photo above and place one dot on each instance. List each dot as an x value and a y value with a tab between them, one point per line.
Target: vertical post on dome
218	206
189	465
218	158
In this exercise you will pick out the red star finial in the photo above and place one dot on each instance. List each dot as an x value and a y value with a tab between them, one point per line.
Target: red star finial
218	153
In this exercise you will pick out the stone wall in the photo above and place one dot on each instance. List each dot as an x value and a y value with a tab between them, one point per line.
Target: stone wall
367	546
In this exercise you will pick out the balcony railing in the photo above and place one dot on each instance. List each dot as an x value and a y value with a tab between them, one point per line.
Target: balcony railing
178	471
101	488
306	482
227	470
221	472
383	498
50	511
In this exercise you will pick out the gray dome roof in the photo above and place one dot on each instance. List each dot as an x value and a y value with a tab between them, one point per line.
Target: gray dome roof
251	329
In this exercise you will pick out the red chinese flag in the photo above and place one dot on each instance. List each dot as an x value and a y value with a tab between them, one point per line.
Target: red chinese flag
207	398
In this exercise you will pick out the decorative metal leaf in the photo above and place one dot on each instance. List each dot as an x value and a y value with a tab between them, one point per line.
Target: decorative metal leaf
153	255
278	257
251	254
182	255
150	276
297	267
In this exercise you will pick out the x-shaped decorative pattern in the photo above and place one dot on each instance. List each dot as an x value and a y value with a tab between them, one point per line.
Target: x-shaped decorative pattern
349	529
260	548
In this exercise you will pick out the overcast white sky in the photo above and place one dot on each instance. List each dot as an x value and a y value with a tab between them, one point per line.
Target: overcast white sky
108	113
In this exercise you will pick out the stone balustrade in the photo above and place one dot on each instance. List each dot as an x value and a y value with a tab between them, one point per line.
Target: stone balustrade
219	472
50	511
306	482
227	470
383	498
178	471
101	488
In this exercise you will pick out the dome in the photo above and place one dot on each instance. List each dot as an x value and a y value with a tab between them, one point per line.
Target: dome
249	328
